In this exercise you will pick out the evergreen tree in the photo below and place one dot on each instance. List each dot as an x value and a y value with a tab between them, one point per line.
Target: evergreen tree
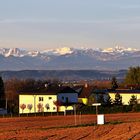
109	101
101	99
133	102
118	99
1	88
114	84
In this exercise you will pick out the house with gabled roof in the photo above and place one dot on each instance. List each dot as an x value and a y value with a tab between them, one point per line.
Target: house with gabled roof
60	99
84	93
68	97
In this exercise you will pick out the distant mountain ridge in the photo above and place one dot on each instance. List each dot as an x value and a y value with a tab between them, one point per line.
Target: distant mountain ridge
65	75
69	58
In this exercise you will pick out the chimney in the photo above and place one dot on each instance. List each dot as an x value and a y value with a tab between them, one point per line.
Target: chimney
86	85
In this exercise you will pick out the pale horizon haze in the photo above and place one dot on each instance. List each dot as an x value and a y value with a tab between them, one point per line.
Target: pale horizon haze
44	24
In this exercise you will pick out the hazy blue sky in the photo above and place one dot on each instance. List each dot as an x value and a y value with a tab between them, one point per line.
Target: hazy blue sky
42	24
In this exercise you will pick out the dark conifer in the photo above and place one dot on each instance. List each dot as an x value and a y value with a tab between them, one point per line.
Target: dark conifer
2	92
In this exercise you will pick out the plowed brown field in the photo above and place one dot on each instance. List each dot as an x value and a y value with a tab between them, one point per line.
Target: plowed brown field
63	128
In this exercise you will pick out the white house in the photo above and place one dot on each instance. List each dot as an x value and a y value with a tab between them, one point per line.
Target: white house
68	97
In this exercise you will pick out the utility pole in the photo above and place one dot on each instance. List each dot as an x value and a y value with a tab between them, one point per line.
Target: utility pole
6	101
75	115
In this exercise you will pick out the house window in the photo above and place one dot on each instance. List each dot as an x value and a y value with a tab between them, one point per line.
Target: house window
40	98
50	98
62	97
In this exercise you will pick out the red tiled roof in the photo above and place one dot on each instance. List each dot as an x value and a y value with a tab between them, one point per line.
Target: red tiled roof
86	92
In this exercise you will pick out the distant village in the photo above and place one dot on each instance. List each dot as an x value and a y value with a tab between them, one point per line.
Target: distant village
53	96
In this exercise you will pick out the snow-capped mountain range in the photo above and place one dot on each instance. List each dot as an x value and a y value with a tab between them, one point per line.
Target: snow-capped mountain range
69	58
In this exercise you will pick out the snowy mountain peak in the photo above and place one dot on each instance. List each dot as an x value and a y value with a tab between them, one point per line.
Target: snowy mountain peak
64	50
33	53
16	52
13	52
119	49
6	52
58	51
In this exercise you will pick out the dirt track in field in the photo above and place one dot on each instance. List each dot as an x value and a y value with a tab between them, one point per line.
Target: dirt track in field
119	127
